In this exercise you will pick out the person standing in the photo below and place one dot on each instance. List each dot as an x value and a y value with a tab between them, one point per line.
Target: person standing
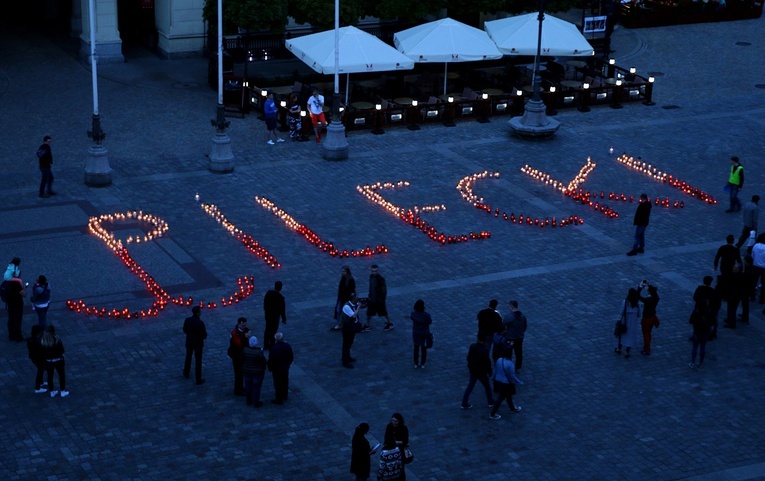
348	320
254	370
630	316
700	320
751	220
53	353
41	300
36	356
490	320
236	344
504	384
735	183
642	215
397	436
15	291
273	309
649	320
361	465
421	322
758	261
516	329
378	292
45	158
279	361
737	293
344	290
196	333
294	120
479	366
713	300
269	110
316	110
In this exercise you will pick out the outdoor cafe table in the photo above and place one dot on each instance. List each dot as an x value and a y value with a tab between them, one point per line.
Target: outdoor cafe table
492	92
576	63
287	89
445	97
402	101
572	84
362	105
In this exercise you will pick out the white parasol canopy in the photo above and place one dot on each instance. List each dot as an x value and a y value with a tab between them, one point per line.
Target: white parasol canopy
445	40
518	36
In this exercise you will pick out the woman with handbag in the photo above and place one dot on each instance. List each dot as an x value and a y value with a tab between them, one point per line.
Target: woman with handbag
421	334
397	437
504	383
630	318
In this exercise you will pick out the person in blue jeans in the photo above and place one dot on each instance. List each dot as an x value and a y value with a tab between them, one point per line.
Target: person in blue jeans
642	215
253	371
479	366
735	184
41	300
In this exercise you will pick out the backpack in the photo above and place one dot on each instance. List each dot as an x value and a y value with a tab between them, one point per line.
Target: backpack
4	290
41	153
43	297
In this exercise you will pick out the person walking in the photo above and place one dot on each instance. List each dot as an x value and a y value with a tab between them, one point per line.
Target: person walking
490	321
14	292
737	292
316	110
53	353
516	329
728	255
254	366
421	322
349	320
269	111
41	300
701	322
273	309
479	366
280	359
236	343
735	183
649	320
397	436
45	158
751	220
361	464
344	290
378	292
713	299
630	317
504	384
642	216
37	357
196	333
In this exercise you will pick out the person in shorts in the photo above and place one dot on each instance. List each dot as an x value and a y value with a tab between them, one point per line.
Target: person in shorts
269	110
316	109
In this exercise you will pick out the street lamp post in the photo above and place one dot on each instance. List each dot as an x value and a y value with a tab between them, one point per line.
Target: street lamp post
335	146
535	123
98	173
221	157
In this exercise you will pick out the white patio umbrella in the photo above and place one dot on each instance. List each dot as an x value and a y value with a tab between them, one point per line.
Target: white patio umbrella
359	52
445	40
518	36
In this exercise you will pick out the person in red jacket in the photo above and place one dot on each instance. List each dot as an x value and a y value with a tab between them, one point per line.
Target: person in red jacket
238	341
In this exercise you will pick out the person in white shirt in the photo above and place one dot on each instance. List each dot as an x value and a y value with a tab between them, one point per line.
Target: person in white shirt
316	109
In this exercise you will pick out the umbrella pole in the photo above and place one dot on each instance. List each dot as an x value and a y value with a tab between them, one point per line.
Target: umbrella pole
347	87
445	65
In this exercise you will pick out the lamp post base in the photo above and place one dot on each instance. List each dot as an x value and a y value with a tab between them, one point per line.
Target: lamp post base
335	146
98	173
221	157
534	123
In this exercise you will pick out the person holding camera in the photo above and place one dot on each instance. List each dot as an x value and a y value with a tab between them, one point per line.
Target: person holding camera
649	320
349	322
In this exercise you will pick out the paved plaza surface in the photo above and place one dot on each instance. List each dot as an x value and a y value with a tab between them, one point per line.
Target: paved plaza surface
587	413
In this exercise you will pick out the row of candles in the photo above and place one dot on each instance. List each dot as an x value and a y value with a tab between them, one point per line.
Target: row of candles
314	238
246	239
245	285
411	216
649	170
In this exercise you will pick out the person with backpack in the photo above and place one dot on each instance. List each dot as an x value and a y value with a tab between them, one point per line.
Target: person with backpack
41	300
236	344
45	156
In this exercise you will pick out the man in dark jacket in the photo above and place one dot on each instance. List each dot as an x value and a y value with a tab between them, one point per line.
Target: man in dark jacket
378	292
489	320
45	156
642	214
279	361
751	220
196	333
479	366
273	308
254	370
14	295
516	329
236	343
